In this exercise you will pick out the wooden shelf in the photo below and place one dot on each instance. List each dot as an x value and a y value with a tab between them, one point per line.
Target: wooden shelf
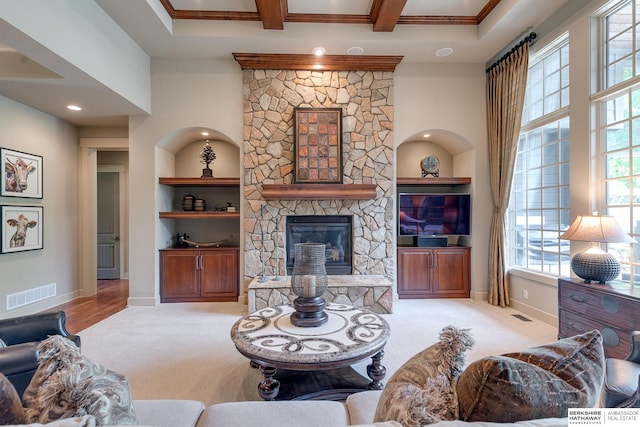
434	181
319	191
201	182
199	215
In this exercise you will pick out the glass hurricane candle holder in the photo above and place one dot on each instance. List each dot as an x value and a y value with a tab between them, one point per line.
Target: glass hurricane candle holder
309	281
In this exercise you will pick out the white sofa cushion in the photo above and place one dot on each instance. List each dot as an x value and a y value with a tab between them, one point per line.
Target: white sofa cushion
317	413
168	413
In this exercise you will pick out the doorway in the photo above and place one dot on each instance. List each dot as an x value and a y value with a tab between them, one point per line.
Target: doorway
111	216
108	251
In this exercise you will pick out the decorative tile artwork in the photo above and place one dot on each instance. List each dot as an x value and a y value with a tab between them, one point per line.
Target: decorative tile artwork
318	145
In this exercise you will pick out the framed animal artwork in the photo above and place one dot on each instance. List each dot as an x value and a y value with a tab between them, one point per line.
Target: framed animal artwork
317	145
22	175
22	228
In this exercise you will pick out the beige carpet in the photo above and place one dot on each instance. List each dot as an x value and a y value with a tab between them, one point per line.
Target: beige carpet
183	350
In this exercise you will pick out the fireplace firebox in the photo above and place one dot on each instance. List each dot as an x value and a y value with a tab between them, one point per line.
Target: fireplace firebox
334	231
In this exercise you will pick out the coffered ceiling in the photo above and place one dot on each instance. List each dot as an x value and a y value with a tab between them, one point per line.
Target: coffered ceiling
474	31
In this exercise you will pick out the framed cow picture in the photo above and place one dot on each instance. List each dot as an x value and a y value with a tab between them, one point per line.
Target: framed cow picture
22	175
22	228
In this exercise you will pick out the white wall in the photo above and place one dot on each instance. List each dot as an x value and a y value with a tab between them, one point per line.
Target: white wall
25	129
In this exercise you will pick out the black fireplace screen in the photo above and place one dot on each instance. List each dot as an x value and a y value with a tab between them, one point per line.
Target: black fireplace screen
332	230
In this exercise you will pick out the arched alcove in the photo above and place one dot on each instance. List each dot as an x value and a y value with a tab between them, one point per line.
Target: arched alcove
453	151
179	171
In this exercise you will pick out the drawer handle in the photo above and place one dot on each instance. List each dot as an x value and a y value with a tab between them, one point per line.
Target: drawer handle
578	298
575	326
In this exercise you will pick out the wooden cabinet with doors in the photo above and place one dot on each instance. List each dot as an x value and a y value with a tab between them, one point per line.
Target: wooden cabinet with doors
441	272
204	274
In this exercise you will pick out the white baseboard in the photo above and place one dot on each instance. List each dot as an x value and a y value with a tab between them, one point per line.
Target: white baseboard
143	301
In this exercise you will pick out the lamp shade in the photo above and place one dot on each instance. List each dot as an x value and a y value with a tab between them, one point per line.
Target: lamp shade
594	228
594	264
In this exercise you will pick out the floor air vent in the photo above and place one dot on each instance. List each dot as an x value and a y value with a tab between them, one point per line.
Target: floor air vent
521	317
30	296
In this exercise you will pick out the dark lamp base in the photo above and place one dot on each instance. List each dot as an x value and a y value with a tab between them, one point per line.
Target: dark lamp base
600	267
309	312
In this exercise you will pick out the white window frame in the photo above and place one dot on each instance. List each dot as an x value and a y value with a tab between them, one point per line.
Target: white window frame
558	252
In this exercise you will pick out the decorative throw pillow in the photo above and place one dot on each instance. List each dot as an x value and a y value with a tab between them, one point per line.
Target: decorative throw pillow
541	382
11	410
422	391
67	384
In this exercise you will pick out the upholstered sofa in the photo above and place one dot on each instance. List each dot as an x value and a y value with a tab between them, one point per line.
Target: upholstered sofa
358	409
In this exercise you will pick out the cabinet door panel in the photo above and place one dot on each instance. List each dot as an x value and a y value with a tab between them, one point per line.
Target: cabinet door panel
451	272
414	273
219	274
179	277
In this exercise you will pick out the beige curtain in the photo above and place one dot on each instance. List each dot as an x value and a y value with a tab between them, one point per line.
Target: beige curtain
506	84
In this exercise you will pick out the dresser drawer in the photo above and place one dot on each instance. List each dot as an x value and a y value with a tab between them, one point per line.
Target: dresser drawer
616	310
617	342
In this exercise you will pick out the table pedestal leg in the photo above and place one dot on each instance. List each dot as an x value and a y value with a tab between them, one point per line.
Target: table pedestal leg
269	386
376	371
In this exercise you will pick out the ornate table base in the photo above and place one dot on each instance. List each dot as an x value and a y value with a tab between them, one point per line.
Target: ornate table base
333	384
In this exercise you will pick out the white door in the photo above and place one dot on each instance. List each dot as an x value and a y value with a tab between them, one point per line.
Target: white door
108	225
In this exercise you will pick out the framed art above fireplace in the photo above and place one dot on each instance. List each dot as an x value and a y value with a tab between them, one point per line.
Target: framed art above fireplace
317	145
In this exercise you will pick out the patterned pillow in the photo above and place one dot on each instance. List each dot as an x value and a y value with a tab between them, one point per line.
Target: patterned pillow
541	382
11	410
422	391
67	384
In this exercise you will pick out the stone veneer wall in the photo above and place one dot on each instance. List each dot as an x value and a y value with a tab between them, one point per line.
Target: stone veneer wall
366	99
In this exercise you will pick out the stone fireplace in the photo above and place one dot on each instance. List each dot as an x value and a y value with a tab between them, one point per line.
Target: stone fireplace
334	231
366	99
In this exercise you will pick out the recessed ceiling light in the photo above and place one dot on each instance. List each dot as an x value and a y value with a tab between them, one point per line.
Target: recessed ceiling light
445	51
426	135
205	133
319	51
74	107
355	50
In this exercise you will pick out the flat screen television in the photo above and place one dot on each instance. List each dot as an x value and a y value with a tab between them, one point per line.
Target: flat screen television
423	214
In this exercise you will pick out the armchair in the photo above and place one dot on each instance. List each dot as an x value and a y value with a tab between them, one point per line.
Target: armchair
19	339
622	378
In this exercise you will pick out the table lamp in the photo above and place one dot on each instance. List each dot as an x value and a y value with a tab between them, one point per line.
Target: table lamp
595	263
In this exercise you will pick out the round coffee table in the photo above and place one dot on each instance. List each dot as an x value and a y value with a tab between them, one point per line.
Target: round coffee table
269	339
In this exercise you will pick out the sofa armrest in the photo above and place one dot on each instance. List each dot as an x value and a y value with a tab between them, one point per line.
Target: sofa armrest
18	358
35	327
362	406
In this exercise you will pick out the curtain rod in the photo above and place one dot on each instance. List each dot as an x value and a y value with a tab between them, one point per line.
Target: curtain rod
528	39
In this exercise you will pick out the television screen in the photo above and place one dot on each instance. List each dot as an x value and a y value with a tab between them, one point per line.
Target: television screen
434	214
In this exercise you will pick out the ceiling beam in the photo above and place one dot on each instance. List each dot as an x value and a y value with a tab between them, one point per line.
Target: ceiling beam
385	14
273	13
275	61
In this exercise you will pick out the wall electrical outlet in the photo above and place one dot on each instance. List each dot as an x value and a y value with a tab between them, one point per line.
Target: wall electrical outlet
525	294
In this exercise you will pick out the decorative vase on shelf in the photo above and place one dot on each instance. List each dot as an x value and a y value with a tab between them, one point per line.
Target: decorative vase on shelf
309	281
187	202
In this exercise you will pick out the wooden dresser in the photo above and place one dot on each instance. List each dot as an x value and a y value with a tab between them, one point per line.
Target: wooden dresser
613	309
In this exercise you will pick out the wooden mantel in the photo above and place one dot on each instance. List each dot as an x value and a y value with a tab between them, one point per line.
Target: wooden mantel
276	61
318	191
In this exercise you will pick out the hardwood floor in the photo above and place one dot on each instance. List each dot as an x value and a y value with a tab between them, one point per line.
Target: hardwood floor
83	312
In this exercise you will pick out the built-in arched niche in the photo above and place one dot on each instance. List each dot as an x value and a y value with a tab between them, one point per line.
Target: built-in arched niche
178	155
453	151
